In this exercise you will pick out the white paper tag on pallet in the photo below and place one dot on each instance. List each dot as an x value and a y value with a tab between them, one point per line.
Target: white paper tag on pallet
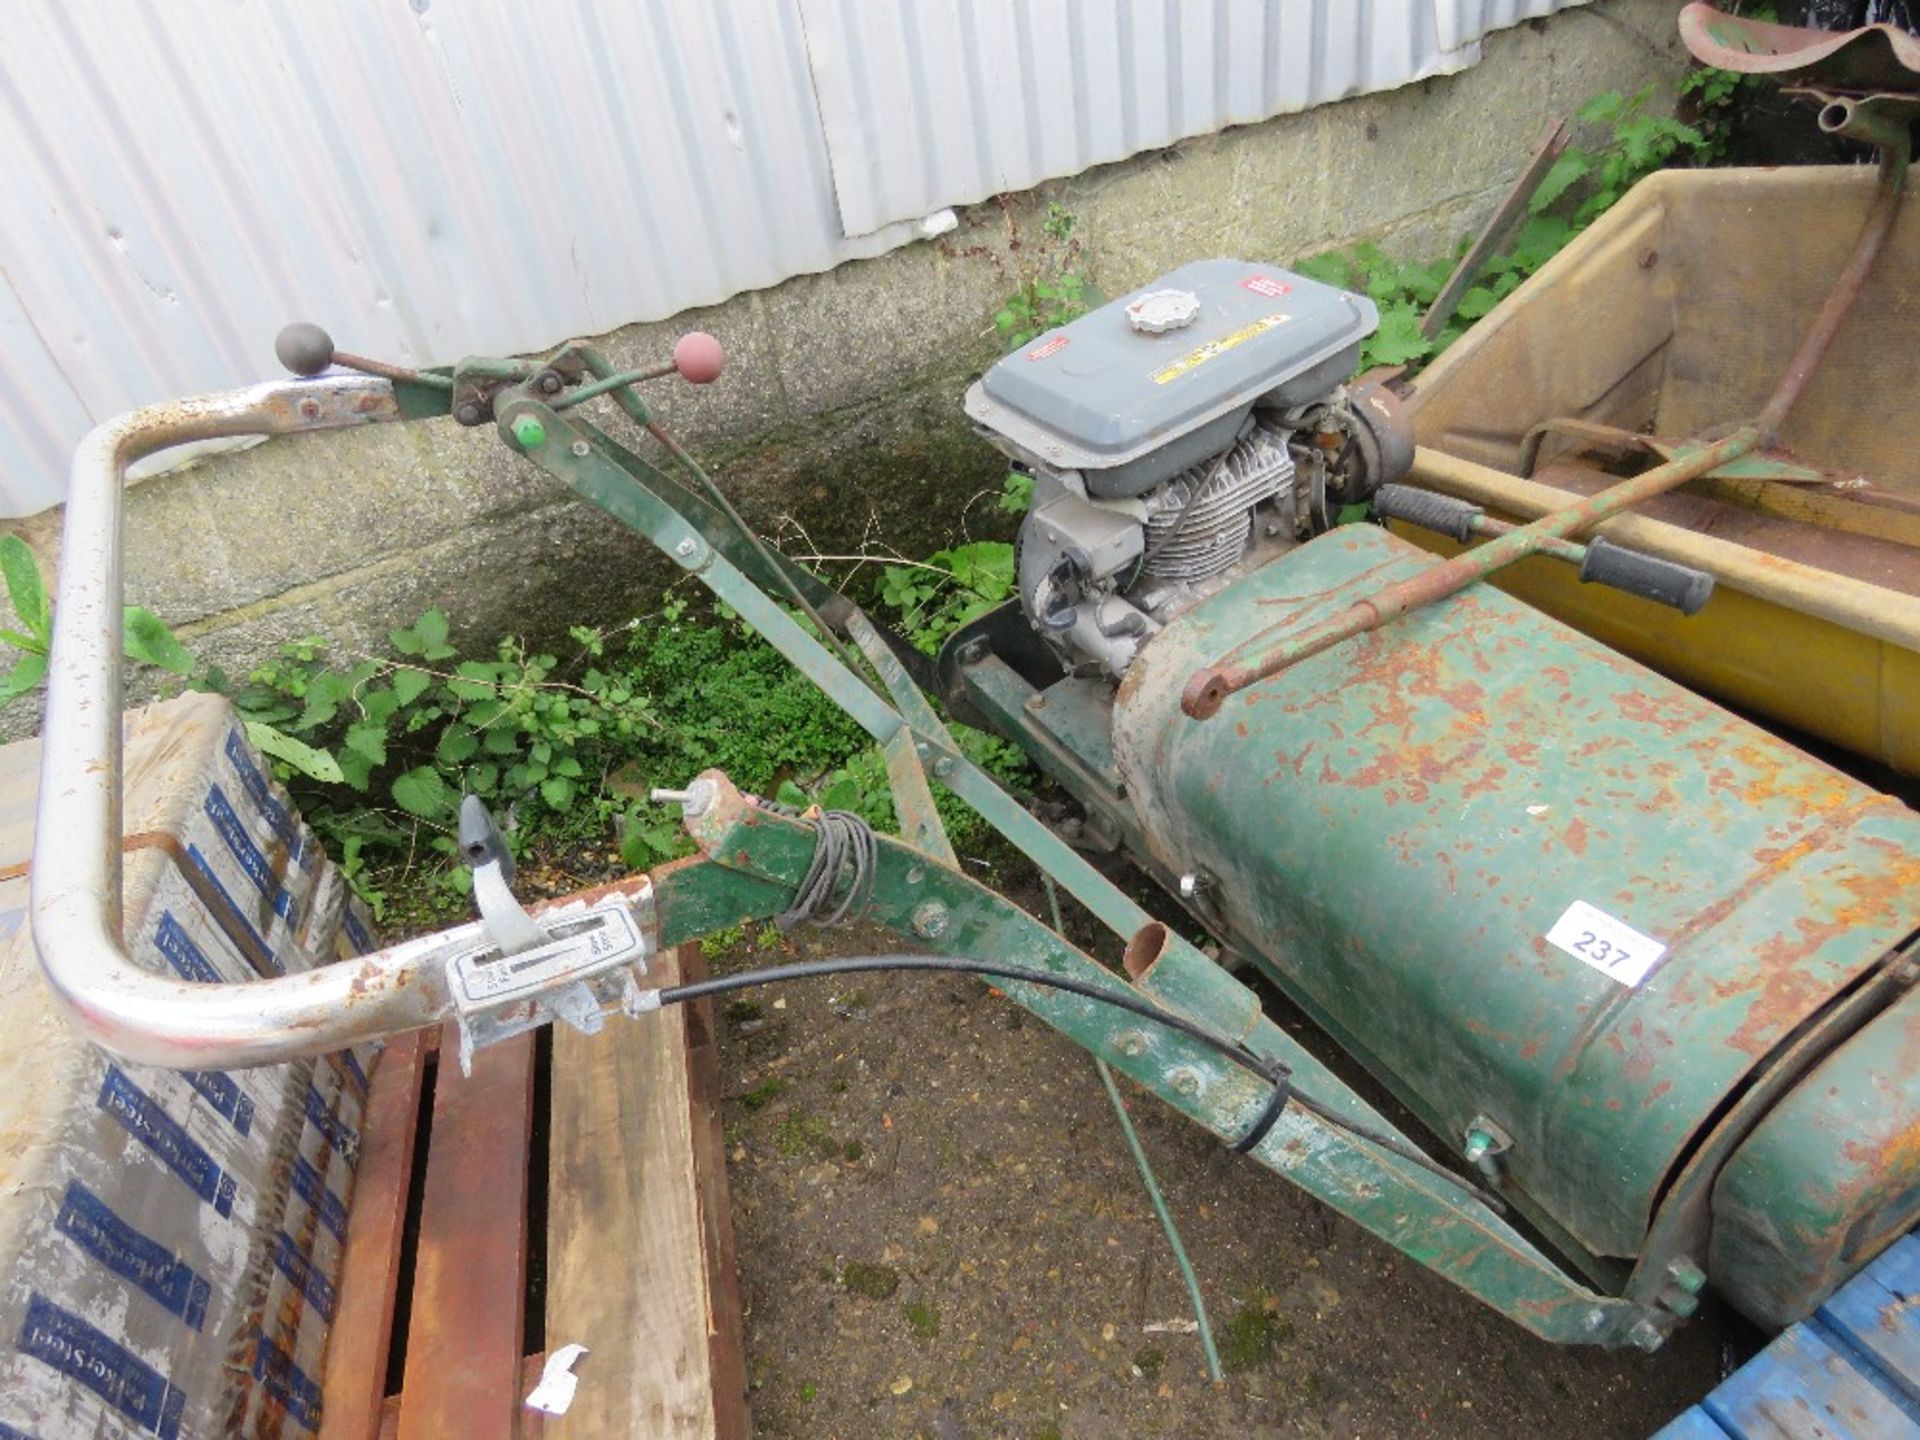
554	1393
1611	946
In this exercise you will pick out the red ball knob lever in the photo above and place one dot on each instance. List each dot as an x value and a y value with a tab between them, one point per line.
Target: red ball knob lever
699	357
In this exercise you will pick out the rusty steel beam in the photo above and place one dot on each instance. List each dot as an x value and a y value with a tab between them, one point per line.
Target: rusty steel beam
1895	152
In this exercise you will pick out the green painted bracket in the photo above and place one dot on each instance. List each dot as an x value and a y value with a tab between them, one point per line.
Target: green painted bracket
758	857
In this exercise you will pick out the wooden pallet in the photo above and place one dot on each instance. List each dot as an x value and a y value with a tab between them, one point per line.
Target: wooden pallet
639	1262
1850	1371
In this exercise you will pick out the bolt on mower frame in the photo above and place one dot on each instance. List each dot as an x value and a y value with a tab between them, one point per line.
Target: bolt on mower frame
751	864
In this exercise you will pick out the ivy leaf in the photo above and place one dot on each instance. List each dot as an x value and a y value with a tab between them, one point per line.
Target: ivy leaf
1398	340
28	671
309	760
410	684
25	588
422	792
148	640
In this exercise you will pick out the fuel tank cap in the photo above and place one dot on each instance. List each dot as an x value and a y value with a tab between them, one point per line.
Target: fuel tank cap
1159	311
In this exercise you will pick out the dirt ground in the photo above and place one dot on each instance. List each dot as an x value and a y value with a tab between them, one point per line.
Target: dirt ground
941	1234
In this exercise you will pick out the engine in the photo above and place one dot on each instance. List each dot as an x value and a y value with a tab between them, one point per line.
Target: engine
1179	438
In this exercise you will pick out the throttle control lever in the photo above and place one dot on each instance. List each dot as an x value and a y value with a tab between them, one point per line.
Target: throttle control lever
484	849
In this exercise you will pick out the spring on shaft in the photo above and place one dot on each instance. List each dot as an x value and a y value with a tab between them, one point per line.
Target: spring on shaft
839	879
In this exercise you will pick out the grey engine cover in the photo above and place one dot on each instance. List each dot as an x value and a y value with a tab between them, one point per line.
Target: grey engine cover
1129	409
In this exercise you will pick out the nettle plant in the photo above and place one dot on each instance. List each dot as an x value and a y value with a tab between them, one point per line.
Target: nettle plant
1581	186
394	740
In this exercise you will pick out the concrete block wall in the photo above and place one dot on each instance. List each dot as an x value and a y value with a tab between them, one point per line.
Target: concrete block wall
837	426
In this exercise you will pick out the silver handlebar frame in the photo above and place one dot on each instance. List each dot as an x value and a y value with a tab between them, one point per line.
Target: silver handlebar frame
76	902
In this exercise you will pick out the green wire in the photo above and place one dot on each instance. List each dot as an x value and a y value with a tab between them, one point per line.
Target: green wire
1147	1179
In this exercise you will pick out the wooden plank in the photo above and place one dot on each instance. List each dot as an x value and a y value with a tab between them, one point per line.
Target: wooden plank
640	1257
726	1330
531	1421
355	1379
464	1347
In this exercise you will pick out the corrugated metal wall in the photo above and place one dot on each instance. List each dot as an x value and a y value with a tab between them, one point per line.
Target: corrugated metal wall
432	178
945	102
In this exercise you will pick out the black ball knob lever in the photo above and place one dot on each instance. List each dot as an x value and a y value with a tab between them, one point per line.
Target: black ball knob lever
304	348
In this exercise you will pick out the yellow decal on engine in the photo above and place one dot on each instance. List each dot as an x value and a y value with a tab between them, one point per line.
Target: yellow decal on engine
1194	359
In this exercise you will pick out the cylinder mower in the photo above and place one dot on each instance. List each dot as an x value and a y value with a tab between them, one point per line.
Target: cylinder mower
1639	971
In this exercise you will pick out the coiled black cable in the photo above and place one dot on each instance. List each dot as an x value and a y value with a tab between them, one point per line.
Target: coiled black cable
844	858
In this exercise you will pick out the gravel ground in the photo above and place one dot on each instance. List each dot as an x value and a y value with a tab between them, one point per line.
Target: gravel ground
941	1234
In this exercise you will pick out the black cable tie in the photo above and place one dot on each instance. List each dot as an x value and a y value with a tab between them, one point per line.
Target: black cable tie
1263	1122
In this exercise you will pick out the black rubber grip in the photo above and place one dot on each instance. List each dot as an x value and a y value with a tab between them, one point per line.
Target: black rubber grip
1647	576
1426	509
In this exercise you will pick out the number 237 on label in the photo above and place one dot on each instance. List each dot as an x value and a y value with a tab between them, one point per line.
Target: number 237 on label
1611	946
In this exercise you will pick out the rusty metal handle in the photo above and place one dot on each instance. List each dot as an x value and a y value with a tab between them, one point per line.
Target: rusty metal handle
76	905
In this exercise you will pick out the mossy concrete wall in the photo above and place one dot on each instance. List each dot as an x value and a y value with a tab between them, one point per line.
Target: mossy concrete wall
837	426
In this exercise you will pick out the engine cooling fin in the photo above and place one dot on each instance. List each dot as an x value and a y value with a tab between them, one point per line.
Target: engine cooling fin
1200	523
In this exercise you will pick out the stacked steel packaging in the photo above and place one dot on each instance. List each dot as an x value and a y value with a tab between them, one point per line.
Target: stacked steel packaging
170	1241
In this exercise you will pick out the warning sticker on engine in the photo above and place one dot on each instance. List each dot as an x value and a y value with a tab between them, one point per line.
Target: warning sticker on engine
1266	285
1611	946
1194	359
1052	347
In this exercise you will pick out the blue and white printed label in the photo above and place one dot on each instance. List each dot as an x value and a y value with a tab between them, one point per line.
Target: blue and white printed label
338	1133
122	1379
312	1188
279	819
188	959
168	1139
223	1092
253	861
92	1225
295	1392
298	1267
